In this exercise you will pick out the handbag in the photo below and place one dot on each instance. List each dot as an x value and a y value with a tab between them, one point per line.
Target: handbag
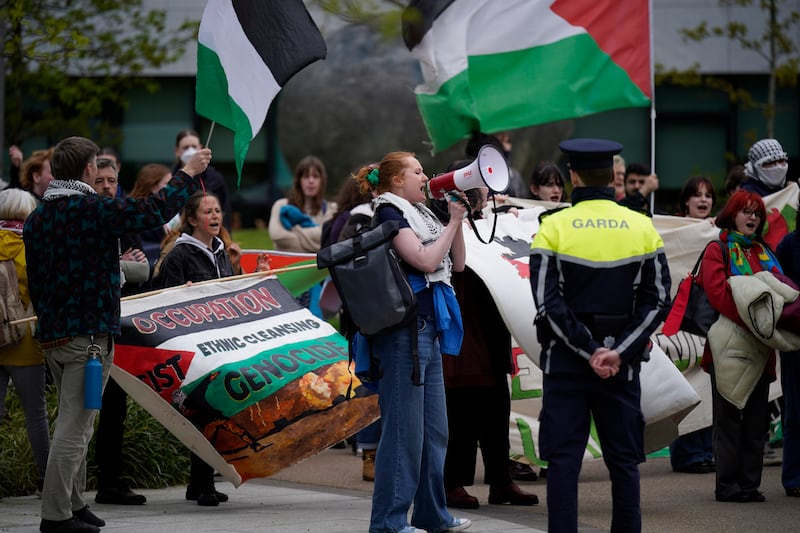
691	312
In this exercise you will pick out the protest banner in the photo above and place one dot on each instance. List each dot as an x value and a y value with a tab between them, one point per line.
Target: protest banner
253	383
241	374
503	266
668	405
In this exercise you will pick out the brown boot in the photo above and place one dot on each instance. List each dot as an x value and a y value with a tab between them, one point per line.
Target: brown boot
511	494
459	498
368	468
521	471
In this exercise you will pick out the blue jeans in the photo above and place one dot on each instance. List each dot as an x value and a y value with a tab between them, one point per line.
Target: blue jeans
367	438
409	466
691	448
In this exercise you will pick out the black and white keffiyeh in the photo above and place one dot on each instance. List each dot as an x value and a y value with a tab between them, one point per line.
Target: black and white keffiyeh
63	188
427	227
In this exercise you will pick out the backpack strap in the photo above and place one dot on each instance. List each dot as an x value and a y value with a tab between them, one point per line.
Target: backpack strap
724	250
415	371
374	360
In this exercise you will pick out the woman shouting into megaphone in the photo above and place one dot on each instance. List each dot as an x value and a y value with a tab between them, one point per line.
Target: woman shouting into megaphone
410	458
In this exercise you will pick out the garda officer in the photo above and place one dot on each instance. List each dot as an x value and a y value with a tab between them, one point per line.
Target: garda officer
601	285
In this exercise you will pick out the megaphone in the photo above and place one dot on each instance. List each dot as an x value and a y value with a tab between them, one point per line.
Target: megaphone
488	170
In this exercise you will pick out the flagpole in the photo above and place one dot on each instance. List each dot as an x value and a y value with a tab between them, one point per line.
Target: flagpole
228	278
652	104
210	131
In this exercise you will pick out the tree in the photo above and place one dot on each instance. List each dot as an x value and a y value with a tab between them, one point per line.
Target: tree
68	65
776	45
384	14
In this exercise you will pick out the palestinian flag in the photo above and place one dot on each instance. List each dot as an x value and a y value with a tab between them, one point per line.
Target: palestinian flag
246	51
296	271
493	65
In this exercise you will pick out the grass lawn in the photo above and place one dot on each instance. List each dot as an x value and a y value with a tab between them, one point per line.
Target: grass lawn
253	239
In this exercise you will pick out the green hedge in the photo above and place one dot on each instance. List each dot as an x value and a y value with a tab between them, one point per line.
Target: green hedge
151	456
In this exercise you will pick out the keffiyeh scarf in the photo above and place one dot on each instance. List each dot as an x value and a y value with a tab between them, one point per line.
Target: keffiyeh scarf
63	188
425	225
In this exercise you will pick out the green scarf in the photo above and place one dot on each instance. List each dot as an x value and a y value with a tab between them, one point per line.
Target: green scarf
737	243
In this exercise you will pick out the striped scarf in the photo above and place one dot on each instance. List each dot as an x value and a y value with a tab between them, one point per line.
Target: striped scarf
738	245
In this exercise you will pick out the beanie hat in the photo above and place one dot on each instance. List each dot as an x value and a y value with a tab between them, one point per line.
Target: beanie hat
766	151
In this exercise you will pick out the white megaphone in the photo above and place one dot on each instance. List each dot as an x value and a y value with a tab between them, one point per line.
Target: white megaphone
488	170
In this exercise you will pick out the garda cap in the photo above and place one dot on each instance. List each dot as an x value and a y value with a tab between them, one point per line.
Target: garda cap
590	153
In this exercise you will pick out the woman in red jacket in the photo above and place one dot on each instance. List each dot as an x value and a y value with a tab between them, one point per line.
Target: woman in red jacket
738	433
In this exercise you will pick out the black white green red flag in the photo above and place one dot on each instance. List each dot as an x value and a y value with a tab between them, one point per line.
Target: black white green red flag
493	65
246	51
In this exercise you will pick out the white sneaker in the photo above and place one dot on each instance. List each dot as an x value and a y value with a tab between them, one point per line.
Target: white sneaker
459	524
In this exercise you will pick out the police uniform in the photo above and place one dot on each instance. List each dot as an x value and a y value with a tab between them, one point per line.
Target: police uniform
599	278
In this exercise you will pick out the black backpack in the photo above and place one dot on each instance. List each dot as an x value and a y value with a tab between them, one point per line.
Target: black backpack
375	292
372	285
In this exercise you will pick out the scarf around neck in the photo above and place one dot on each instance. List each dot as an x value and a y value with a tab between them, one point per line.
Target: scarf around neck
63	188
427	227
14	226
739	245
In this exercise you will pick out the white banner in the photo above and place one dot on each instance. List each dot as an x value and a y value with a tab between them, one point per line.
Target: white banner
669	391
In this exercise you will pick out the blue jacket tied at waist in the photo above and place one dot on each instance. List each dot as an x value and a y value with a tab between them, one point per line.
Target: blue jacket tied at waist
448	314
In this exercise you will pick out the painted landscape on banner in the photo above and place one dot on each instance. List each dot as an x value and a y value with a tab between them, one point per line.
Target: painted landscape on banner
242	374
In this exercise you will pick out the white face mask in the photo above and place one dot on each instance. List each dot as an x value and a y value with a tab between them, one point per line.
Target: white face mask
773	177
187	155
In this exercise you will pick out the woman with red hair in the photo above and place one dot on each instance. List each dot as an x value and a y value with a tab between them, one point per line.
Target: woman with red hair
739	434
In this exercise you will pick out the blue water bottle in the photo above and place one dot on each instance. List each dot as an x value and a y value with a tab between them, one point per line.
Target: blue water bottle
93	378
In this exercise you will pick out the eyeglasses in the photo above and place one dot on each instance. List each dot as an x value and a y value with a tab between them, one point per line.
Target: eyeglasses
750	213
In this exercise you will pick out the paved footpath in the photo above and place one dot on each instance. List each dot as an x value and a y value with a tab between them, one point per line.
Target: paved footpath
326	494
264	506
